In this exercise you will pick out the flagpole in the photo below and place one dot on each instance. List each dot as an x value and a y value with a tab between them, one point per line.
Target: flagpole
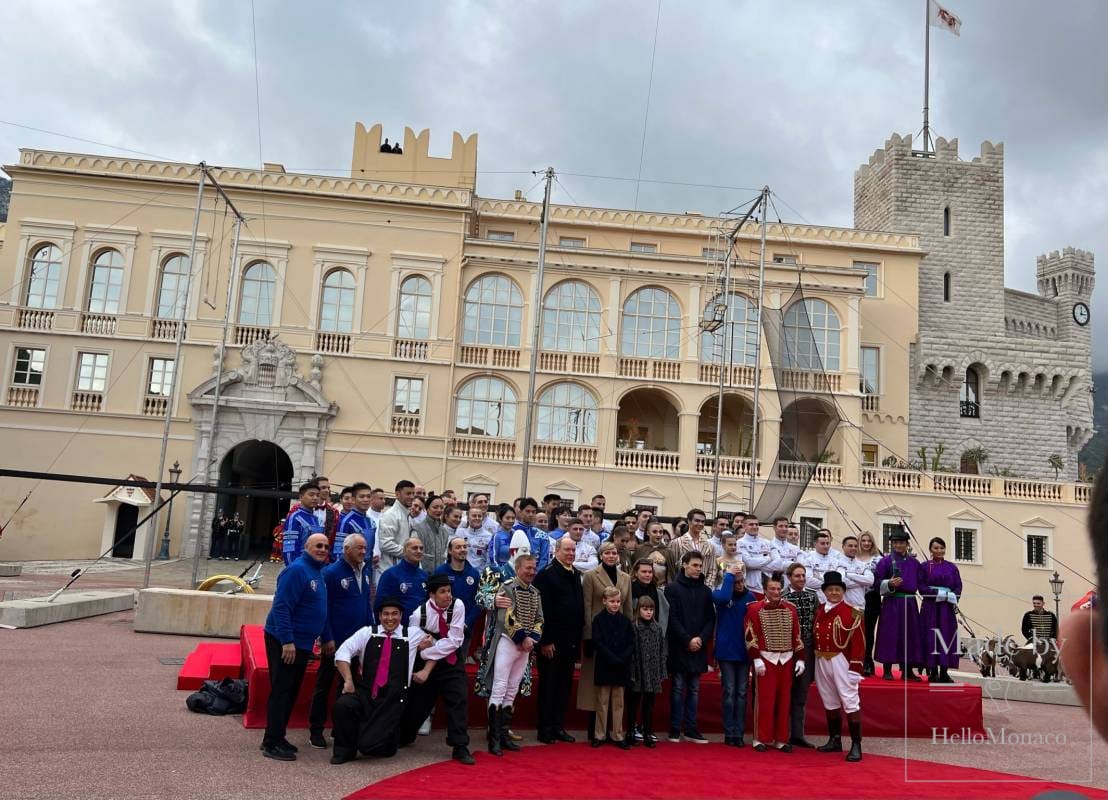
926	74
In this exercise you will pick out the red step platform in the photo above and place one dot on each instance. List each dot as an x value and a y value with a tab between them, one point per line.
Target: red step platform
889	708
210	661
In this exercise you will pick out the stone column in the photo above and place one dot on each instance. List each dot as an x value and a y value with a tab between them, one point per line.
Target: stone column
688	423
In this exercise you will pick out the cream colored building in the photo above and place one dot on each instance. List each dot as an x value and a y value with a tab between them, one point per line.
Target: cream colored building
381	327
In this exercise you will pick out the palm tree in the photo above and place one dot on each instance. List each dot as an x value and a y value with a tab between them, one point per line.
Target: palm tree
1056	464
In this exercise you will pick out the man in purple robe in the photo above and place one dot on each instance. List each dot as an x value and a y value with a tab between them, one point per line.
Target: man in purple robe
941	588
899	638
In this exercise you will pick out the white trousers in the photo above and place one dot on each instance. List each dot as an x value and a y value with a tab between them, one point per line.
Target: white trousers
837	684
508	666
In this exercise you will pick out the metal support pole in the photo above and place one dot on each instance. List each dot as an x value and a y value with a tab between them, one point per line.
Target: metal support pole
206	466
724	368
758	350
174	476
926	75
176	380
536	313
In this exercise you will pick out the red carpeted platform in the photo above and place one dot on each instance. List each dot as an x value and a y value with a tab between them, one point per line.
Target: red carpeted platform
690	771
210	661
889	708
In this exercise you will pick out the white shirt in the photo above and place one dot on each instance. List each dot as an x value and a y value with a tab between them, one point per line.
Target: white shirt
755	553
784	553
478	542
356	644
393	529
858	577
586	557
817	565
374	515
590	538
454	634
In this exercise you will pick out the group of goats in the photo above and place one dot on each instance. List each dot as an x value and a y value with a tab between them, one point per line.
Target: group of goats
1036	660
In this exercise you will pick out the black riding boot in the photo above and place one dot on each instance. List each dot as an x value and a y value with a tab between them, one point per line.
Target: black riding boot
887	672
505	725
855	753
494	731
834	731
944	676
907	674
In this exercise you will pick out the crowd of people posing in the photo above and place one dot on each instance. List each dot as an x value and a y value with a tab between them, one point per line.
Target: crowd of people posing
398	598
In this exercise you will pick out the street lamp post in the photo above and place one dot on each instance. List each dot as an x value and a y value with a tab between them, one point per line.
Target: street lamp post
174	476
1056	586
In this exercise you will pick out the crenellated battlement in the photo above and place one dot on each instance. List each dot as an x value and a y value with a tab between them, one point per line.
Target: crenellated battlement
415	164
1070	271
946	150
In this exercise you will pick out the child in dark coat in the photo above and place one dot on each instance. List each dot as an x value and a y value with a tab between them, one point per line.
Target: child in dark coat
613	642
648	669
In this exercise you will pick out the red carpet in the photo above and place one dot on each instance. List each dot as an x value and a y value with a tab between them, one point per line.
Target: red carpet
886	705
689	771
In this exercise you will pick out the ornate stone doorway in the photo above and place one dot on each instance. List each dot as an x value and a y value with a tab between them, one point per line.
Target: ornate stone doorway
256	465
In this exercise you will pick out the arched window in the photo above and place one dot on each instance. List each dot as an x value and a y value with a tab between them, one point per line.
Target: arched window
651	325
493	312
566	413
946	221
812	336
414	320
740	331
571	318
486	407
970	396
336	308
107	282
256	304
946	287
45	277
171	291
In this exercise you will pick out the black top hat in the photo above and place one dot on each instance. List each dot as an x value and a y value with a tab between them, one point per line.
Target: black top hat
389	602
436	582
898	534
833	578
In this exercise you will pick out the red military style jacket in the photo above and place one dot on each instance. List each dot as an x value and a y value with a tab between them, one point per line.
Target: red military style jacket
840	630
772	628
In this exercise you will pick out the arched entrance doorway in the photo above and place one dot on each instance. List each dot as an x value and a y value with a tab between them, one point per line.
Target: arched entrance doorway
255	465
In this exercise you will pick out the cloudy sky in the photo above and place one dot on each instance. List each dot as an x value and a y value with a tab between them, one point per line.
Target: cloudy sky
790	93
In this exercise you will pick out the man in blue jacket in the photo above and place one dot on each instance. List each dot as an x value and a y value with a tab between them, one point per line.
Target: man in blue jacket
296	619
464	582
356	520
406	581
349	608
731	599
300	524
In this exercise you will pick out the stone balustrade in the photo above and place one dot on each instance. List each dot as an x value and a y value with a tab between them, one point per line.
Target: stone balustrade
648	460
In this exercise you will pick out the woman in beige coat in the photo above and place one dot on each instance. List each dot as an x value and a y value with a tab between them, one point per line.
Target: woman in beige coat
593	584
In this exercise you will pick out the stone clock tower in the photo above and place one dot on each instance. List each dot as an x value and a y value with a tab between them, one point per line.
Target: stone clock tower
992	368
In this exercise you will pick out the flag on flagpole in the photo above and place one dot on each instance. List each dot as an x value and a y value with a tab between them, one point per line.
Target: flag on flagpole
942	18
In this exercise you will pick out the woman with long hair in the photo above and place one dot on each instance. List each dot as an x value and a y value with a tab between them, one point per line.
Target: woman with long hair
941	588
869	553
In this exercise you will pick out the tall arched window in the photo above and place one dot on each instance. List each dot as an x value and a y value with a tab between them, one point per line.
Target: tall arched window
336	308
486	407
651	325
493	312
571	318
946	221
171	290
812	336
970	396
44	280
256	303
740	330
946	287
106	283
414	320
566	413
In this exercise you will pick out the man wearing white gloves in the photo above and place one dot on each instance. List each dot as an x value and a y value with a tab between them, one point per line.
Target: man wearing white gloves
773	640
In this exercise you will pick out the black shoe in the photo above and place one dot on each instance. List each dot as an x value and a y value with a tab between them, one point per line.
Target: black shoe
696	737
786	748
462	755
912	677
636	733
650	742
800	741
278	753
565	736
623	744
597	743
855	753
728	741
316	740
759	747
887	672
340	759
675	736
285	743
739	742
546	738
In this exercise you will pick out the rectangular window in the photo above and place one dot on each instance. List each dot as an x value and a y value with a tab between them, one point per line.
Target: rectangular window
871	276
643	247
784	258
965	545
501	236
713	253
1038	549
408	396
92	372
887	530
30	364
809	527
570	241
160	381
869	455
870	371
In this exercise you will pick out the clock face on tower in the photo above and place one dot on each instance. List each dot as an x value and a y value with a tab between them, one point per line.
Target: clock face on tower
1081	313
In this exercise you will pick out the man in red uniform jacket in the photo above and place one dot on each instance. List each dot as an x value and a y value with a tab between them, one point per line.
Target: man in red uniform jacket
773	639
838	637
